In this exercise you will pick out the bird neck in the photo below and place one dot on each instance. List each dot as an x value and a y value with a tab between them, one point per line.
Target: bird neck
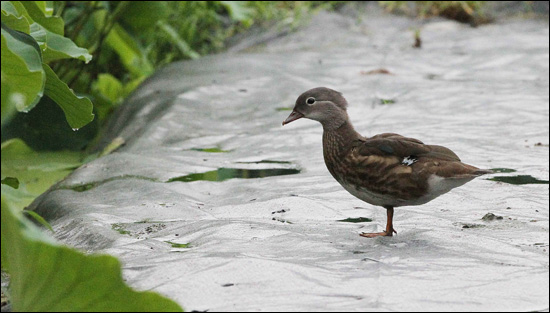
338	118
337	140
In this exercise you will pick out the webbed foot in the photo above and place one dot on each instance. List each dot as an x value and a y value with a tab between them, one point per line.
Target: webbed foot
372	235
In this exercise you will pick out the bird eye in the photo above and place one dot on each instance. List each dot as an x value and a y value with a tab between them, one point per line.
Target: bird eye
310	100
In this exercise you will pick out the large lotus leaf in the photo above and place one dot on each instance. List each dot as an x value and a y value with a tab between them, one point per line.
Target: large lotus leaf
8	106
12	18
22	71
34	12
45	6
47	277
9	8
36	171
40	35
78	110
59	47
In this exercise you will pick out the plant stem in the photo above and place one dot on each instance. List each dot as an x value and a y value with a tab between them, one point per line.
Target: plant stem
60	8
95	49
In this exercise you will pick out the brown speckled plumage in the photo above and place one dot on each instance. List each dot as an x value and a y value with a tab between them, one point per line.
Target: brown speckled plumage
388	169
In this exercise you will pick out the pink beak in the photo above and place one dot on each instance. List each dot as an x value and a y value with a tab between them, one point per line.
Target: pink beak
292	117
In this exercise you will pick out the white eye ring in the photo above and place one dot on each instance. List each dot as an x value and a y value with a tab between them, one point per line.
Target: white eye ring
310	101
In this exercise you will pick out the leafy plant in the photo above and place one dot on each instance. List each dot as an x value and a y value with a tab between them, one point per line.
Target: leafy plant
69	54
129	41
462	11
35	171
32	37
48	277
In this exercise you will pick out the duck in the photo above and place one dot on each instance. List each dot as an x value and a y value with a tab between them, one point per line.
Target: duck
387	170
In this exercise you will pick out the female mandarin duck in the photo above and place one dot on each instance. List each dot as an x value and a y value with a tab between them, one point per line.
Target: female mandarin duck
388	170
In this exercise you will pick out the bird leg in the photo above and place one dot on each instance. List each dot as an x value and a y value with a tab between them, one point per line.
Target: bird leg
389	226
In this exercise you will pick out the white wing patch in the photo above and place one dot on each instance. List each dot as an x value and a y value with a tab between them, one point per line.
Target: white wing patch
410	160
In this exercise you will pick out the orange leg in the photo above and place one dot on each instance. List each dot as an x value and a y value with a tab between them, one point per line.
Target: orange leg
389	226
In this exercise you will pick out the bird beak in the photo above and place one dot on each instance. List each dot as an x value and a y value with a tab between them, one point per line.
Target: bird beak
292	117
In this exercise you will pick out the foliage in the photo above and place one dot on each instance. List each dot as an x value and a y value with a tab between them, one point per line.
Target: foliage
105	49
463	11
47	277
133	41
32	37
34	171
60	57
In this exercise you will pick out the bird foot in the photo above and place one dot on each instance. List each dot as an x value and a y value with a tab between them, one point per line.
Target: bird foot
372	235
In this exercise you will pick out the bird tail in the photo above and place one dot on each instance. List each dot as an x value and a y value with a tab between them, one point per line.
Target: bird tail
480	172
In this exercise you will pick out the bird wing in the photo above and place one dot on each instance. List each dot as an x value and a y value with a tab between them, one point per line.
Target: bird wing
390	144
395	136
394	153
390	164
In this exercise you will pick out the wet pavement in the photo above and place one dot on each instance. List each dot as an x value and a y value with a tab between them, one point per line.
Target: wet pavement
216	205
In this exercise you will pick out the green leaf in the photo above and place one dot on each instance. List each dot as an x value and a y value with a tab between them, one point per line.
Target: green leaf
56	47
47	277
17	159
35	171
8	97
43	7
49	7
78	110
138	15
39	219
237	10
23	45
59	47
11	181
19	198
9	8
22	71
112	146
39	34
109	87
52	23
129	52
13	19
175	38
